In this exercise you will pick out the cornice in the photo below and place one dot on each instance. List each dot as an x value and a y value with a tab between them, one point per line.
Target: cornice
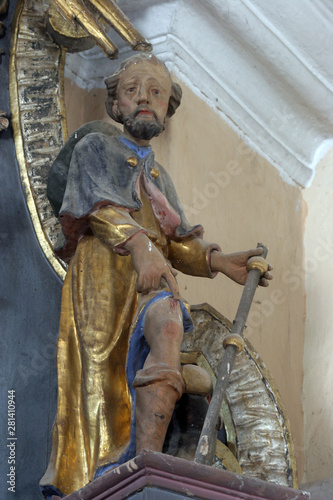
266	69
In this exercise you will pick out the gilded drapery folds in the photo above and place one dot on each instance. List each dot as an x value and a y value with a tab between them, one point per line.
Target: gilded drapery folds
99	305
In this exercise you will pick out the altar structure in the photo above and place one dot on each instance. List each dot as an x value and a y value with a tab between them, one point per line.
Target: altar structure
279	137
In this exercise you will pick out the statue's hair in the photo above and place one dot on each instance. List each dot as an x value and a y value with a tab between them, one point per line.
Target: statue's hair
112	81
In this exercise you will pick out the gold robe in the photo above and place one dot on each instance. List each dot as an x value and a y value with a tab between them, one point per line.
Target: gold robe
99	304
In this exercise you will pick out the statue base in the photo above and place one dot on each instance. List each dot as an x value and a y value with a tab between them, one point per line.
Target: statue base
154	475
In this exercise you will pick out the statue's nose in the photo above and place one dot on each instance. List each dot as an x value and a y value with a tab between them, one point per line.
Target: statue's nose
143	95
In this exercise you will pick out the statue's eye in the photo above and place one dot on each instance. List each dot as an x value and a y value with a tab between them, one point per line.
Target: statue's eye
156	92
131	89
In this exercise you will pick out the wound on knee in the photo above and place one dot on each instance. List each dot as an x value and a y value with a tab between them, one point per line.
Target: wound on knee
173	303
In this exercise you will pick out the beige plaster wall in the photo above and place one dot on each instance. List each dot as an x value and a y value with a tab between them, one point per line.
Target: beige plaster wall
240	199
318	365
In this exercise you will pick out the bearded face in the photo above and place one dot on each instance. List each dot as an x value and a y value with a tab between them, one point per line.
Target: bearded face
143	94
141	128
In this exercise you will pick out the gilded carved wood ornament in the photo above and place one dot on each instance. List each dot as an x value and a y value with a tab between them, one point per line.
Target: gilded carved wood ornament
4	122
258	429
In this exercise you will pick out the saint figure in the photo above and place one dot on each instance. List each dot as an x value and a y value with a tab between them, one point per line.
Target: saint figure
122	318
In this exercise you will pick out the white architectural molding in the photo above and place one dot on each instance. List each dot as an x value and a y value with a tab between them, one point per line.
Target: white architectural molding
266	67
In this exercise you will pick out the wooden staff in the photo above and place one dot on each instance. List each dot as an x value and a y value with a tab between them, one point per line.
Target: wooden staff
233	344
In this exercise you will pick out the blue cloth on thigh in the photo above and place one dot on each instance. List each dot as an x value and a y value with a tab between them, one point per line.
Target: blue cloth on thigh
136	357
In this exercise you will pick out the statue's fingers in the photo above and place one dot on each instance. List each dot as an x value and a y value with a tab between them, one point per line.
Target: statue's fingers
140	286
174	289
143	285
255	251
263	282
174	272
168	263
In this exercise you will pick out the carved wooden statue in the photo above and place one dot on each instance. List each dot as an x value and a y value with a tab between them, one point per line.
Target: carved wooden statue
122	318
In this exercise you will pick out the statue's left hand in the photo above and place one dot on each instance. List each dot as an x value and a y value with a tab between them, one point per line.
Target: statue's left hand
233	265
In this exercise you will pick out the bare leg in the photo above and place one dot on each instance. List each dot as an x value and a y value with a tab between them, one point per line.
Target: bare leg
163	329
159	384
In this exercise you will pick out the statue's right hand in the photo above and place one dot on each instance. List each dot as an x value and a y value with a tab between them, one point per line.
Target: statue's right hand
150	265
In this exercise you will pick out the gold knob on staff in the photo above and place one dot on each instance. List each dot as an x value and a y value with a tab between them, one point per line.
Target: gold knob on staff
234	339
257	262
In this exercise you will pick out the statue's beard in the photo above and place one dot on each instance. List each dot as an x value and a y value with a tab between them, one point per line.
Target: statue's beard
141	129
